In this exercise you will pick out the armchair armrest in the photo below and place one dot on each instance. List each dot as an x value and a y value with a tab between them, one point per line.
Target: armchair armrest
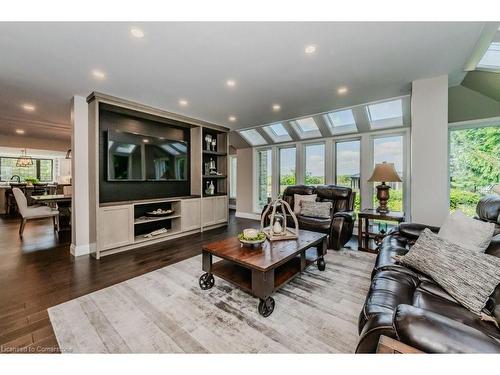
413	230
434	333
341	228
347	215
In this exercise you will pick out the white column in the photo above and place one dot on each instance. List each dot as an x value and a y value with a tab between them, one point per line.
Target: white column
80	177
366	169
429	151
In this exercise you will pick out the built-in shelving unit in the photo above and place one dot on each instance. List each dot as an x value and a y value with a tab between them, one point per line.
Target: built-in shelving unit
214	155
122	224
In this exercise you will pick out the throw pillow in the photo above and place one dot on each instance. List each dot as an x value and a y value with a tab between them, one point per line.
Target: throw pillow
467	232
316	209
297	198
469	277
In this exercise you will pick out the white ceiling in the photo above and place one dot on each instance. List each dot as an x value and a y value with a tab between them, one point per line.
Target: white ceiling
45	64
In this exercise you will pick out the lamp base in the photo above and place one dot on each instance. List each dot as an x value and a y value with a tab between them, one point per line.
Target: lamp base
383	198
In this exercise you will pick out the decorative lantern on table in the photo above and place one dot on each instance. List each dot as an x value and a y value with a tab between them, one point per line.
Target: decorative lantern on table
277	229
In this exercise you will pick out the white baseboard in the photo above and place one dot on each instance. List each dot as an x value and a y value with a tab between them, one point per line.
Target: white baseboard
247	215
80	250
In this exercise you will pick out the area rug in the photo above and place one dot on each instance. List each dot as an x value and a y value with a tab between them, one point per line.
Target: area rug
165	311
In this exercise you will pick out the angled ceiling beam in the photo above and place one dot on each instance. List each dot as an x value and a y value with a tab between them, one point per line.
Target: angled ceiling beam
289	128
322	126
264	135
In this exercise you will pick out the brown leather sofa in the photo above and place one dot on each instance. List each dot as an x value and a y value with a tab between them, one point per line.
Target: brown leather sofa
410	307
340	225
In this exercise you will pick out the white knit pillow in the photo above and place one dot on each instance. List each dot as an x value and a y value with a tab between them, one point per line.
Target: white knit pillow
467	232
297	198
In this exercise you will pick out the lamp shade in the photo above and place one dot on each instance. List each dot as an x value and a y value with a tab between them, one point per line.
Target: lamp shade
384	172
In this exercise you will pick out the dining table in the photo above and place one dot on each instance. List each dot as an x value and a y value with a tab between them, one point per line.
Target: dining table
62	203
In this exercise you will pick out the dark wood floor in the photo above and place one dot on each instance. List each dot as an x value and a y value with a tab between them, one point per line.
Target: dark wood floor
38	272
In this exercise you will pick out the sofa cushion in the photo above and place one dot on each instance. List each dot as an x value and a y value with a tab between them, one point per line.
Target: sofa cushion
467	232
338	195
298	199
321	210
468	276
488	208
296	189
314	224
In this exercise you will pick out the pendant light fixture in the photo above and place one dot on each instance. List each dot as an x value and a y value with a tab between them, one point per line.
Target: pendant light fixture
24	160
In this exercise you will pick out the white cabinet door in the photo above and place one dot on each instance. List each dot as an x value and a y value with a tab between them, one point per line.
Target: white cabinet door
221	209
208	211
190	214
116	226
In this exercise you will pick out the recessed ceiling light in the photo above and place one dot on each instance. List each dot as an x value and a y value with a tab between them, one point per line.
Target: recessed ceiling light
342	90
29	107
136	32
19	131
145	140
310	49
276	107
230	83
183	102
98	74
232	118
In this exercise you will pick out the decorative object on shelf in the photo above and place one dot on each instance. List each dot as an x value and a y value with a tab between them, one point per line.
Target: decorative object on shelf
208	141
277	229
212	169
156	233
251	237
24	160
68	154
159	212
384	172
214	145
210	190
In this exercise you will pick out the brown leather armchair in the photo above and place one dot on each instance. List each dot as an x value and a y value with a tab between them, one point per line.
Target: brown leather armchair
340	225
411	307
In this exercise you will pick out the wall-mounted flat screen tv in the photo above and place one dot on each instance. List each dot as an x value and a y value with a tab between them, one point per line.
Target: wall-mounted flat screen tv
138	157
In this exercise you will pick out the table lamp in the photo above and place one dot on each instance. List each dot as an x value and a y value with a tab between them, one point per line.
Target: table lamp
384	172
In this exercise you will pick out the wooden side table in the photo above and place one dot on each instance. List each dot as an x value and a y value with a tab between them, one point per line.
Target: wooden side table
364	235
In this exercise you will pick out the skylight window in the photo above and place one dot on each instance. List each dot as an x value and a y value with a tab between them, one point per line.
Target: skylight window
306	128
253	137
491	59
125	148
386	114
277	132
341	122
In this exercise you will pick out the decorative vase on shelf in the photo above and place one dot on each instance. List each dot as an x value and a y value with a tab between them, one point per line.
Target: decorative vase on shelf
214	145
210	188
208	140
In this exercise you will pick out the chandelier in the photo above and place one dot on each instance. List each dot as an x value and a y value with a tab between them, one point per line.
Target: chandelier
24	160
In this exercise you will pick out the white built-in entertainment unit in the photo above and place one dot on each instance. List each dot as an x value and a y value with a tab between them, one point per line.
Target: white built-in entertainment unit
127	224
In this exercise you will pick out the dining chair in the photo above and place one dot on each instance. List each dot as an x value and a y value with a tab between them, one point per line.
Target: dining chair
32	212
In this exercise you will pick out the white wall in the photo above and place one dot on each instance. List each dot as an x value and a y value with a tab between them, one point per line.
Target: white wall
80	243
244	189
429	150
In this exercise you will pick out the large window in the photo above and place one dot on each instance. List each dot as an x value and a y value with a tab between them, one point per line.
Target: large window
306	128
386	114
347	168
474	166
287	167
390	150
41	169
264	176
232	176
315	164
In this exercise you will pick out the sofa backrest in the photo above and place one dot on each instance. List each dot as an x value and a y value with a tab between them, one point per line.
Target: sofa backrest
342	198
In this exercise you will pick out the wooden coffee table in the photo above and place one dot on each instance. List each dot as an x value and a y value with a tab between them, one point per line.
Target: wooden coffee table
262	270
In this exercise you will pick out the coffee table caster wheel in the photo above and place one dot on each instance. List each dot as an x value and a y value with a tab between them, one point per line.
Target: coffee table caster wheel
266	307
321	264
207	281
